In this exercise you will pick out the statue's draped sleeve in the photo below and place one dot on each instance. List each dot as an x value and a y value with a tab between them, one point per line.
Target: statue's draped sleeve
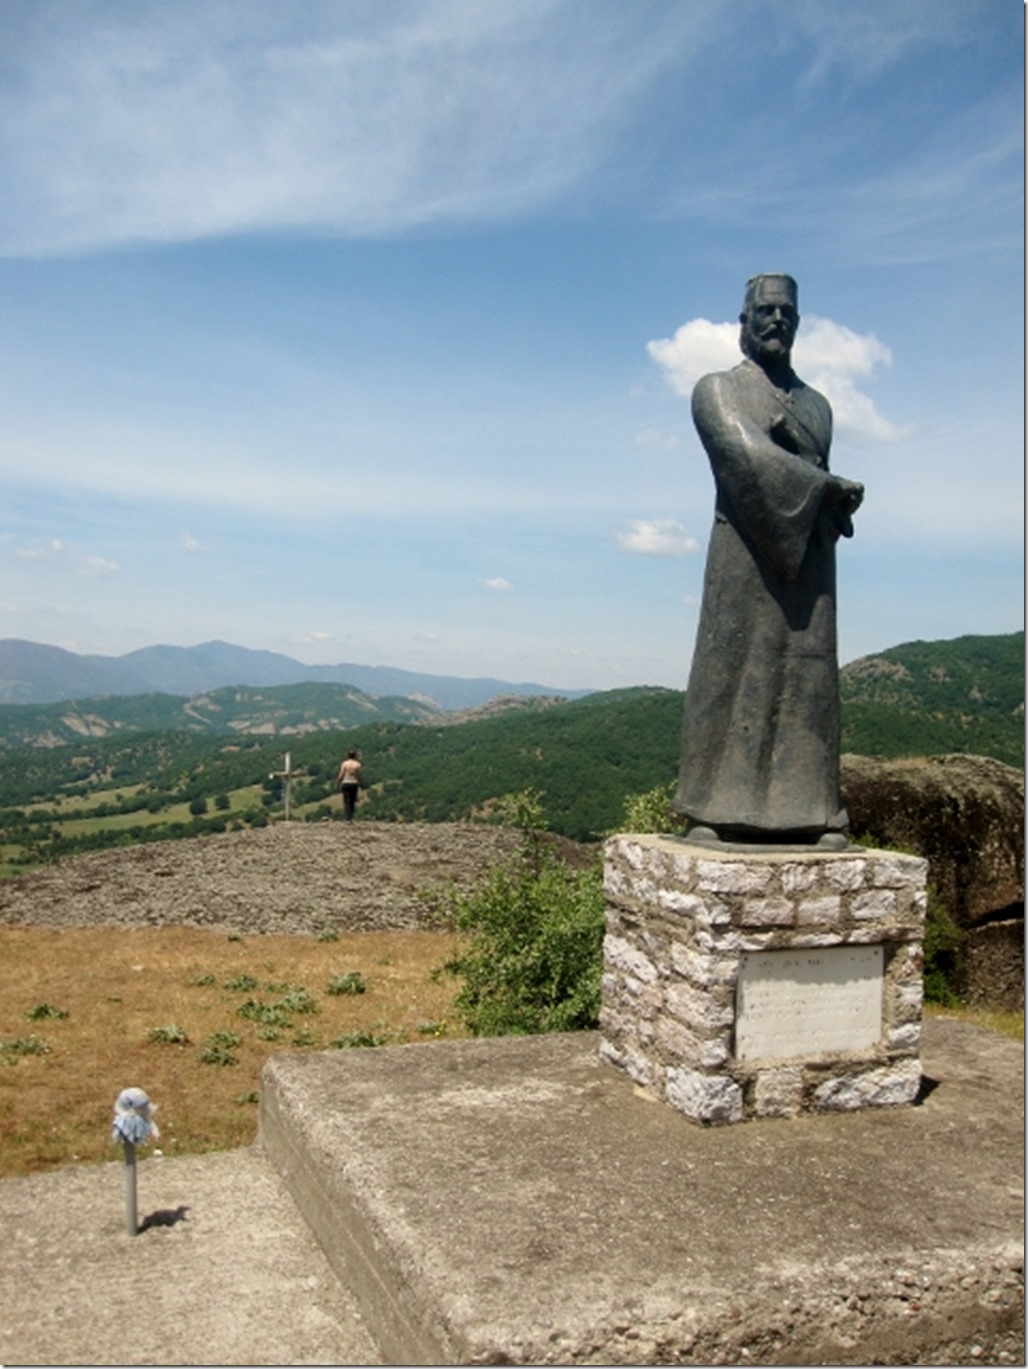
771	484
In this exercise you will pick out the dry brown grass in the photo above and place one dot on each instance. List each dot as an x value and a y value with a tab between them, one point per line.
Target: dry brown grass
1005	1021
116	986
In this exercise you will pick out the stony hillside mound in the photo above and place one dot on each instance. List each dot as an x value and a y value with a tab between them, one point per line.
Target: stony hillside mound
294	878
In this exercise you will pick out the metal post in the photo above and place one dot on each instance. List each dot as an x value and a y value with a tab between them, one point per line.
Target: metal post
131	1215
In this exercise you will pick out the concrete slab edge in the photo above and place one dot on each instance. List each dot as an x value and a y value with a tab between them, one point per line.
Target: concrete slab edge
338	1221
898	1306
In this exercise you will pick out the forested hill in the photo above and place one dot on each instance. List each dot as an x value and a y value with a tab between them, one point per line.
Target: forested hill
585	756
927	698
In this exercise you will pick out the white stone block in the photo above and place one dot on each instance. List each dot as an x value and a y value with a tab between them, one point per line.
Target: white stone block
704	1097
703	969
846	874
697	1007
733	877
777	1093
615	882
906	1037
801	877
631	853
684	1047
768	912
875	903
623	956
895	871
634	1063
684	905
886	1087
819	912
908	999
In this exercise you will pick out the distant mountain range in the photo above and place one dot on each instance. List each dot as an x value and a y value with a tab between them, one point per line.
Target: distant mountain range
921	698
31	673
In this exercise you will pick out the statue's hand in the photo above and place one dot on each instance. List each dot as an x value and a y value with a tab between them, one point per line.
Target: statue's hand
843	498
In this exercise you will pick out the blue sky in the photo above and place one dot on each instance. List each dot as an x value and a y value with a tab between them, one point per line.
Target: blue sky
363	330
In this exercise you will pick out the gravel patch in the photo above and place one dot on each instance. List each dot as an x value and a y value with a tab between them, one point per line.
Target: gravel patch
293	878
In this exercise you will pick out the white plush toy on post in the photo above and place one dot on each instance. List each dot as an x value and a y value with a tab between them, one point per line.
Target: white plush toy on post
133	1125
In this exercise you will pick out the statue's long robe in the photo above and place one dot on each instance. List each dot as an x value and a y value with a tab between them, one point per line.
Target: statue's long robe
760	742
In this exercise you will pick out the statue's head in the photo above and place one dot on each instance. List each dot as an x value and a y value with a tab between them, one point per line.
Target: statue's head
769	318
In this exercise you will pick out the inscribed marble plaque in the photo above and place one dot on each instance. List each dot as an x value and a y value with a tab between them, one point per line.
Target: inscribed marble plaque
811	1002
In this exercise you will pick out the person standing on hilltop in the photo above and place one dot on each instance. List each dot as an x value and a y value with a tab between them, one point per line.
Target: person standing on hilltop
349	781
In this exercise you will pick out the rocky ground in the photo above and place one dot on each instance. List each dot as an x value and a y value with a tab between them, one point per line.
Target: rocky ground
293	878
301	878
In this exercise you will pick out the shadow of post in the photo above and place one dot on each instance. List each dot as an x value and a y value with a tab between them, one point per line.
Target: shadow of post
167	1216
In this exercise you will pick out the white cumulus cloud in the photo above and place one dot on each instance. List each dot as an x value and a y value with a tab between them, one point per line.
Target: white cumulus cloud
828	355
656	537
498	583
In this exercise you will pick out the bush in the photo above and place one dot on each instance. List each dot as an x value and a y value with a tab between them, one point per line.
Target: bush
943	940
652	811
535	955
350	983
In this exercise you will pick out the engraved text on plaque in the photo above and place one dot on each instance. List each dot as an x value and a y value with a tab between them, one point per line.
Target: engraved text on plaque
805	1002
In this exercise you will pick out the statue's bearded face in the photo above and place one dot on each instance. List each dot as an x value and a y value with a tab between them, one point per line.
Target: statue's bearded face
769	323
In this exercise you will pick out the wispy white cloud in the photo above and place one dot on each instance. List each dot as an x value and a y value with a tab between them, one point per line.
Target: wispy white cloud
655	438
656	537
98	567
59	552
38	551
189	543
961	191
498	583
153	125
828	355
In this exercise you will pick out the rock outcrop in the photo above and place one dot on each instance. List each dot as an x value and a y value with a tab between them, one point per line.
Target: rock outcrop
965	815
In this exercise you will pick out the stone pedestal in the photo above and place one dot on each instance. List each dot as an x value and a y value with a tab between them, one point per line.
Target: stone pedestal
741	983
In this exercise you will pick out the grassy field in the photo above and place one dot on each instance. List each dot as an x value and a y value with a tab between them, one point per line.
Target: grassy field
191	1016
87	1012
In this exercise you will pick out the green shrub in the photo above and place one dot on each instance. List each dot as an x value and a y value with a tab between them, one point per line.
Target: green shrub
652	811
269	1014
299	1000
351	983
534	959
943	942
45	1010
218	1049
241	983
23	1045
360	1037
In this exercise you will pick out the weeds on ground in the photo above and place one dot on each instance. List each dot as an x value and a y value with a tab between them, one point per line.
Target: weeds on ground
42	1011
141	1007
350	983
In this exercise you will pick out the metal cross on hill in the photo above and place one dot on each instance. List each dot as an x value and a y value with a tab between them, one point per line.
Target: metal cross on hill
287	775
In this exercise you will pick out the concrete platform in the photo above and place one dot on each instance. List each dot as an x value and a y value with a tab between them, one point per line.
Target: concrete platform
224	1270
519	1201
